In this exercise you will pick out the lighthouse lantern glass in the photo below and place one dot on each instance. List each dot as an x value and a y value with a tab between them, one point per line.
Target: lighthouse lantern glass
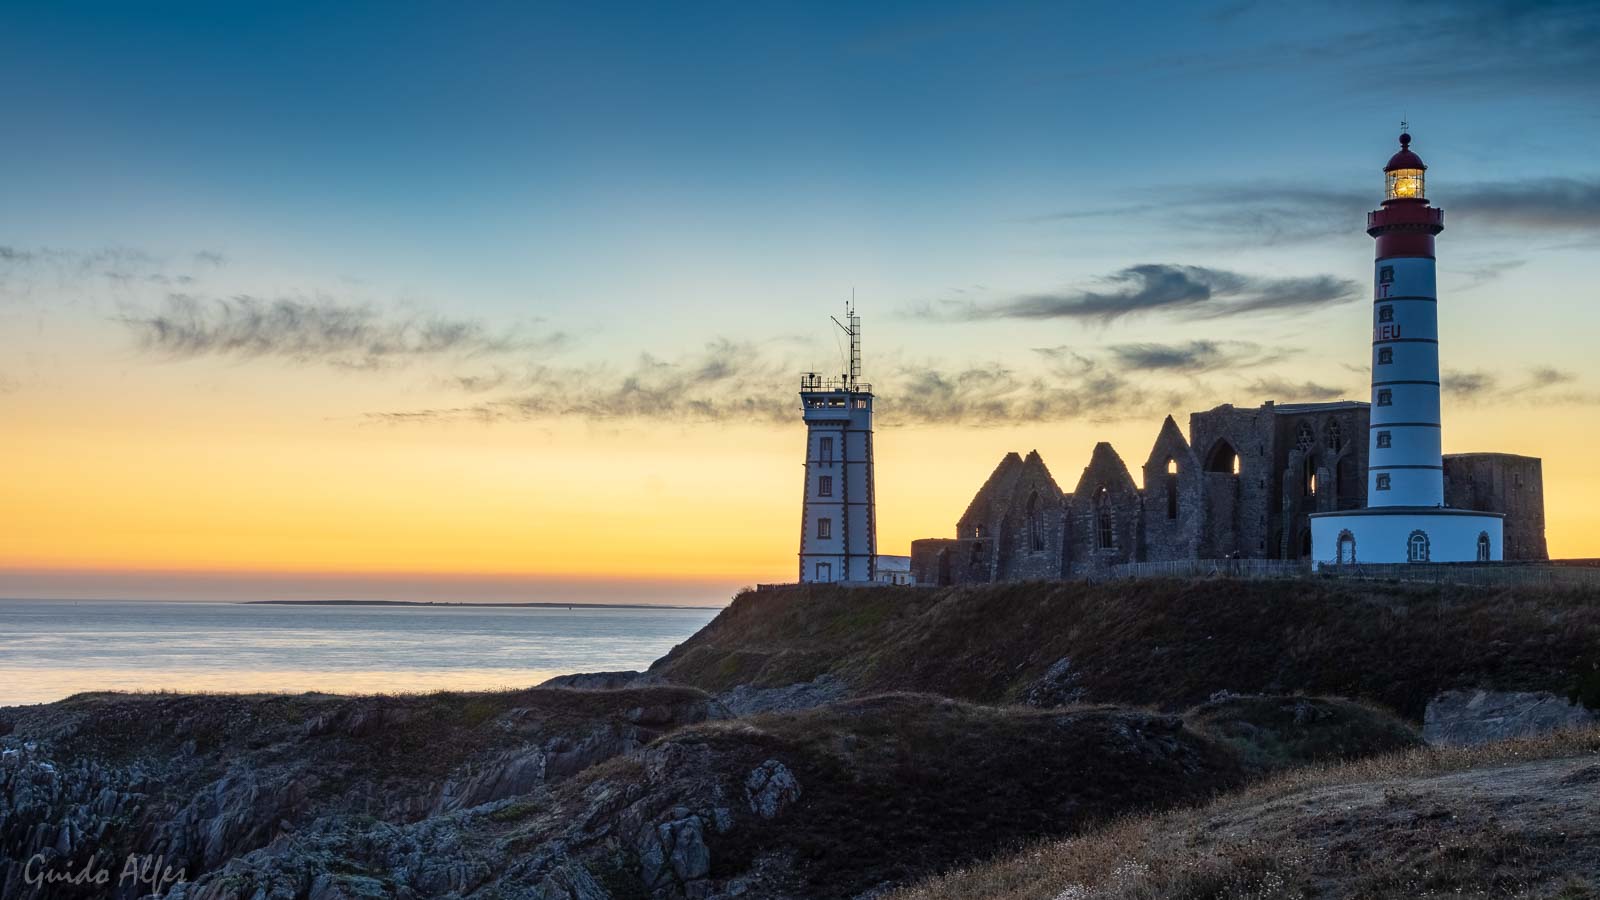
1404	184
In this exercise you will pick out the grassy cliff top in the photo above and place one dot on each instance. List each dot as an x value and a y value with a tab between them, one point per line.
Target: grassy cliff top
1514	819
1167	643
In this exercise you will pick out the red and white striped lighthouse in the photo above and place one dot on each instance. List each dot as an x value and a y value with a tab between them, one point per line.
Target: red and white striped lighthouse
1405	519
1405	462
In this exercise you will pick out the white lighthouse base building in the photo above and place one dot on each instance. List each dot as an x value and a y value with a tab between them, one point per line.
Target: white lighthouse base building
1400	534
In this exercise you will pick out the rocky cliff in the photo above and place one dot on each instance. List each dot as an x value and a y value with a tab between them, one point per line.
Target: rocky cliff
821	743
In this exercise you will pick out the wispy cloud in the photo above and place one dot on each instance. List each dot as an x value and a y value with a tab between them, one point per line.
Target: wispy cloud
1473	46
740	382
1542	203
723	381
116	263
1190	358
1467	385
1188	291
1275	215
997	395
357	336
1302	392
1541	386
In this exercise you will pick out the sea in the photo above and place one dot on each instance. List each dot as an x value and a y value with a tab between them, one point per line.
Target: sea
51	649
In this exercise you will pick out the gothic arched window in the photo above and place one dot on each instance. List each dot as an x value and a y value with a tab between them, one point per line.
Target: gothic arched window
1417	546
1105	537
1223	458
1484	550
1332	437
1305	438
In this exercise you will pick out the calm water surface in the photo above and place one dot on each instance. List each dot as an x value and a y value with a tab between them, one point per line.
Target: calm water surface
50	649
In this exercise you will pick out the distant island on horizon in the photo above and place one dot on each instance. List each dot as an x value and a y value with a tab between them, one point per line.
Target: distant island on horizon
517	603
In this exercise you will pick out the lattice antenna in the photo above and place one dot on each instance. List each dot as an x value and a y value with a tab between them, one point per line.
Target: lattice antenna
853	329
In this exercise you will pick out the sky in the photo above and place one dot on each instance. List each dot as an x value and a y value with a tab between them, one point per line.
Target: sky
508	301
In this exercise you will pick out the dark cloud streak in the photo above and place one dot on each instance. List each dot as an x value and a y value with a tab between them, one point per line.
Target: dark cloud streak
320	331
1188	291
1304	392
1192	358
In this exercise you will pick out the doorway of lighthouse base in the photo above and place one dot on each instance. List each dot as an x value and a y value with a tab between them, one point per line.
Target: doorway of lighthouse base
1305	543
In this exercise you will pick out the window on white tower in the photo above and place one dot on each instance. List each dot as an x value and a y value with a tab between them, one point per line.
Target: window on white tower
1383	481
1385	397
824	529
824	485
825	450
1384	440
1385	314
1385	355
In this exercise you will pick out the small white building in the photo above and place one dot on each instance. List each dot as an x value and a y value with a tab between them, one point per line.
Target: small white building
1405	519
893	570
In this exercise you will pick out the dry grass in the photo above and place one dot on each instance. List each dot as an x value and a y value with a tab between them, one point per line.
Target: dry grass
1210	851
1167	643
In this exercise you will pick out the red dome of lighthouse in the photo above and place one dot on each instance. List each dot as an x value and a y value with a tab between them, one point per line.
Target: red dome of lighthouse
1405	159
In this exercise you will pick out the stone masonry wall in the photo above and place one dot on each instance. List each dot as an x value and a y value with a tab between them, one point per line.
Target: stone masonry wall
1503	483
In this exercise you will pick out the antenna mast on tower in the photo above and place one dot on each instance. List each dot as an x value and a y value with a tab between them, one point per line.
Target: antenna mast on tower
853	377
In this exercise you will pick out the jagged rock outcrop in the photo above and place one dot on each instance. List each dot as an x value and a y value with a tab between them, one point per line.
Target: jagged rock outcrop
746	700
771	787
1466	718
604	681
198	782
827	803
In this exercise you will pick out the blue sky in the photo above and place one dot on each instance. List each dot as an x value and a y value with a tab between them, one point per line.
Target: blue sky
706	158
309	217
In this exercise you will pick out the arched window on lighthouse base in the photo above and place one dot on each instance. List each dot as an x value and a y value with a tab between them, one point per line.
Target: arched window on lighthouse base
1347	548
1417	547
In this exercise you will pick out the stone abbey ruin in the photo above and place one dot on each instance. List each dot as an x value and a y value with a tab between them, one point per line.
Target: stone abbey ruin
1241	485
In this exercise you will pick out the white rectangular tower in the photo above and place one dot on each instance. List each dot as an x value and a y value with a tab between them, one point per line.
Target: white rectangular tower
838	518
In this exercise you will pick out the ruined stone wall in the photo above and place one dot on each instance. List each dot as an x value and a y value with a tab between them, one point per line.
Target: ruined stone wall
1237	518
926	557
947	561
1105	489
1502	483
1327	441
1031	526
1260	513
1173	504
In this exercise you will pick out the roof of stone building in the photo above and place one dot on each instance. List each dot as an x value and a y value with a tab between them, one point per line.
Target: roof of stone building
1171	436
1108	465
1317	407
1491	454
1034	460
1004	476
